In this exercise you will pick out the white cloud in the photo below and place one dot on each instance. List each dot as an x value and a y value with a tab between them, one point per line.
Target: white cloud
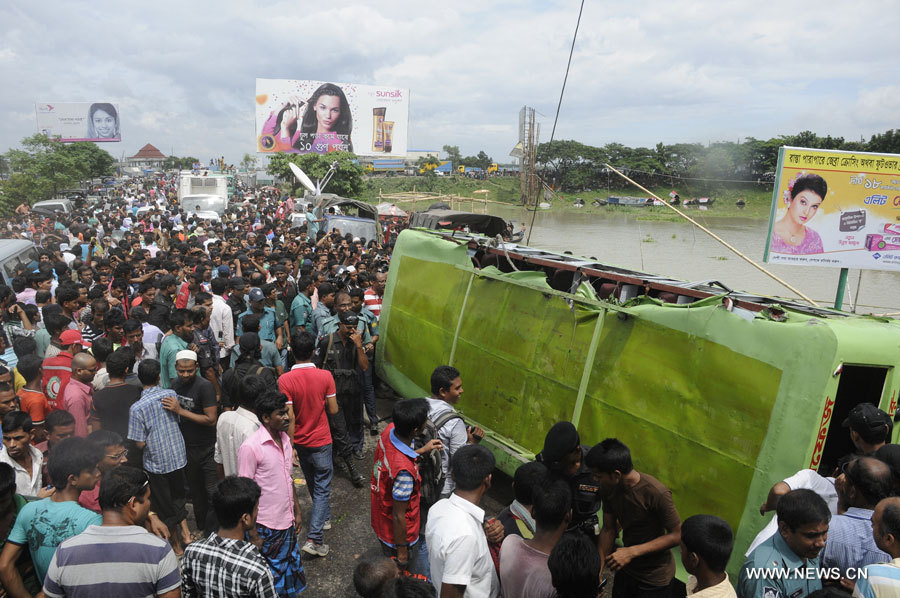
642	72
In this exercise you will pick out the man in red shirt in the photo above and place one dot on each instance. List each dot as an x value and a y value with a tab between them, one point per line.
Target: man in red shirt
311	391
58	370
396	518
375	294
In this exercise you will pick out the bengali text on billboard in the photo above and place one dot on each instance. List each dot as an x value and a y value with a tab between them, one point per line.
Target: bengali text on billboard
835	209
79	121
301	117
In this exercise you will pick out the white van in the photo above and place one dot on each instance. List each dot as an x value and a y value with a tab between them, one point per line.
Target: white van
55	205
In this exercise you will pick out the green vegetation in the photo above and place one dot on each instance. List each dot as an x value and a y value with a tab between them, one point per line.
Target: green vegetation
176	163
347	180
44	167
570	165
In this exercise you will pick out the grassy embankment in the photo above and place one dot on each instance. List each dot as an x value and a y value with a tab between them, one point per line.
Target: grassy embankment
506	190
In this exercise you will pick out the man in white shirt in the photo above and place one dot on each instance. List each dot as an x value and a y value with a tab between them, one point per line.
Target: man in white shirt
234	427
461	564
806	479
221	320
19	454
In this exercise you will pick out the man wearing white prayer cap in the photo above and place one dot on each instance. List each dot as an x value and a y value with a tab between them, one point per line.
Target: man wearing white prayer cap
197	411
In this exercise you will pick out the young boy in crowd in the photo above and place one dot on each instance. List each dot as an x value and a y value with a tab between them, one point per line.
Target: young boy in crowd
19	454
32	400
706	544
43	524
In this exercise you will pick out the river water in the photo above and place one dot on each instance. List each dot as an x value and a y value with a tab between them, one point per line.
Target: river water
680	250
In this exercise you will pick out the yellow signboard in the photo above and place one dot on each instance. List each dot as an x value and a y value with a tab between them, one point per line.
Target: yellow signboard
835	209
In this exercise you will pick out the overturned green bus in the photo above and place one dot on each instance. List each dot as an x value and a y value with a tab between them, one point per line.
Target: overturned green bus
719	393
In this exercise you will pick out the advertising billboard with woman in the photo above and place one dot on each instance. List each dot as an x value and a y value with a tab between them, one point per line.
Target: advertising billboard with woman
299	116
835	208
79	121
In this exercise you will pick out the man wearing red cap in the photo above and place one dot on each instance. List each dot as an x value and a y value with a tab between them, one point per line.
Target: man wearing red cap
58	369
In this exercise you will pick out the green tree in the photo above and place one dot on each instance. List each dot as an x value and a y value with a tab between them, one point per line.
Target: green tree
93	161
483	161
248	162
176	163
453	154
42	168
347	180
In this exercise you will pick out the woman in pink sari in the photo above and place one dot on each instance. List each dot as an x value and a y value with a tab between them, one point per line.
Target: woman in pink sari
804	196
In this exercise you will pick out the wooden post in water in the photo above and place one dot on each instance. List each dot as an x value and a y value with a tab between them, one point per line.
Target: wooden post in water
841	289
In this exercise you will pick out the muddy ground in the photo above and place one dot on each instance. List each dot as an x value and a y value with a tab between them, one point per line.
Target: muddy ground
351	536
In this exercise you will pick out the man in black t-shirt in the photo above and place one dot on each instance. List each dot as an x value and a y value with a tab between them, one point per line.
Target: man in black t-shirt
110	404
197	408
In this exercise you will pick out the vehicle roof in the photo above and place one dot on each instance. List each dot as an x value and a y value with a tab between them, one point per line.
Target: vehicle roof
51	201
10	247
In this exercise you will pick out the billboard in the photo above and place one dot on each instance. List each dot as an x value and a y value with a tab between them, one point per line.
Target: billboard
79	121
301	117
835	209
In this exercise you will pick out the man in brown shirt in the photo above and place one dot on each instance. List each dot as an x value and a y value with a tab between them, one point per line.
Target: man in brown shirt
643	507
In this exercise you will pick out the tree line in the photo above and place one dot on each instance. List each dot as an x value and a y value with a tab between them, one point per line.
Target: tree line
44	167
573	166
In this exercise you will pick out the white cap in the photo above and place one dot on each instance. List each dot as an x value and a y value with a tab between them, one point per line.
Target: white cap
186	354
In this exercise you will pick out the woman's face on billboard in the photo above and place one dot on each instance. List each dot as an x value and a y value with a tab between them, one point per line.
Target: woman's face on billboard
328	110
104	124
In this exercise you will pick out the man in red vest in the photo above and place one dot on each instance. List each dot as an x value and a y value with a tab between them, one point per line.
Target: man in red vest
58	370
396	483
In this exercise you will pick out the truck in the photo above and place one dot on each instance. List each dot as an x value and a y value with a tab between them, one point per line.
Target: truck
446	166
394	165
205	184
205	192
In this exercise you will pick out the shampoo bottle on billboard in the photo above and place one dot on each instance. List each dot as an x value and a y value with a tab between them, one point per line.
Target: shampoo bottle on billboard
388	127
377	129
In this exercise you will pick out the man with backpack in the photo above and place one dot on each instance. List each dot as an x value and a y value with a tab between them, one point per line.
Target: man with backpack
447	426
395	485
446	389
342	353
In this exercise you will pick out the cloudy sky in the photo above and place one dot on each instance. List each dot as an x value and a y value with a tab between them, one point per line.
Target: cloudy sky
183	73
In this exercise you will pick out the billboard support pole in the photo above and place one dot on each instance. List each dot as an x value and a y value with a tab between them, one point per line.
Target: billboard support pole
842	287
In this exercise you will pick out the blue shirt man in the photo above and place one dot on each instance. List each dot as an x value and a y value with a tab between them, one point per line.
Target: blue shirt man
266	316
787	564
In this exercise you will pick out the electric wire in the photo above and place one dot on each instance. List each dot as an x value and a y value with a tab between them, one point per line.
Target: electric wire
559	105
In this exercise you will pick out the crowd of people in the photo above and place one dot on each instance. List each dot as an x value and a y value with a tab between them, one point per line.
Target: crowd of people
580	510
152	360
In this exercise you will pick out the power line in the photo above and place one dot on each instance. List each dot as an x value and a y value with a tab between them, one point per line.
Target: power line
559	105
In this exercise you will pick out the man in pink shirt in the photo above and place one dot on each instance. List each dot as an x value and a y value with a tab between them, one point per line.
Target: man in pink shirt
266	458
78	393
310	391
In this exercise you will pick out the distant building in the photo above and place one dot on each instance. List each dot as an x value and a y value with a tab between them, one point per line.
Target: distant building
148	157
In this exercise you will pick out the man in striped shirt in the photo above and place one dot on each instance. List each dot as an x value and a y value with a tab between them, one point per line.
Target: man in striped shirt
225	565
883	580
119	557
375	293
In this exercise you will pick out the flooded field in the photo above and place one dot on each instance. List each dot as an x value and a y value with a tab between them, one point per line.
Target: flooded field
680	250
